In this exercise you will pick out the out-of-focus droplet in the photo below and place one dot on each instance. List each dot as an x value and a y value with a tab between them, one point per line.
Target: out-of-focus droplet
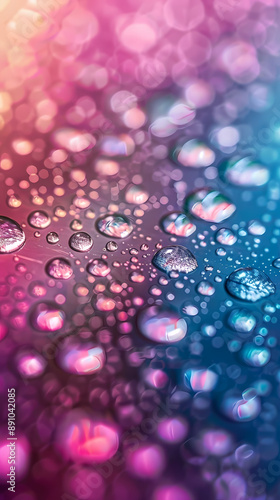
136	195
244	172
194	154
215	442
249	284
241	410
175	258
30	364
59	269
99	267
256	228
12	237
201	380
83	438
242	320
181	114
162	325
173	429
47	317
226	236
255	356
114	226
209	205
147	461
178	224
205	288
104	166
73	140
80	242
80	358
39	219
119	146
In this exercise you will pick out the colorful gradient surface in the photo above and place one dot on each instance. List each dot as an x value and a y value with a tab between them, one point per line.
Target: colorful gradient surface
139	249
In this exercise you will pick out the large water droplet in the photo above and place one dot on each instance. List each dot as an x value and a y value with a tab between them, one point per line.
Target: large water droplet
244	172
115	226
39	219
175	258
249	284
59	269
178	224
80	242
209	205
163	326
12	237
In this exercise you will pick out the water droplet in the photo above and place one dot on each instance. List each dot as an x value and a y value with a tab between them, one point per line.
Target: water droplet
115	226
225	236
249	284
163	326
194	154
276	263
84	439
47	317
175	258
80	358
73	140
52	238
178	224
201	380
136	195
113	145
98	267
242	320
30	364
220	252
39	219
209	205
244	172
59	269
111	246
173	429
205	288
256	228
12	237
255	356
241	410
80	242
